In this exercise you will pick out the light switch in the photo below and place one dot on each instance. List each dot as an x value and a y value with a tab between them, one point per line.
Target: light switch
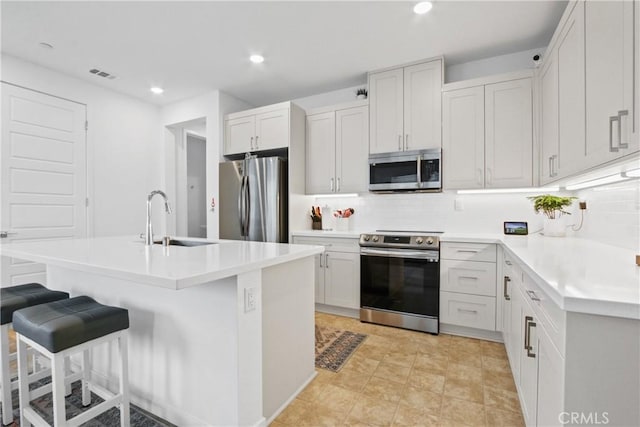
458	205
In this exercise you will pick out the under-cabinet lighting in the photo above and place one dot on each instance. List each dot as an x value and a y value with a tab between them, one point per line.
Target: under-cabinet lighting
510	190
595	182
422	7
633	173
317	196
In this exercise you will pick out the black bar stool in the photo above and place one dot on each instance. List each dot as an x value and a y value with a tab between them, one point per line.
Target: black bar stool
59	329
11	299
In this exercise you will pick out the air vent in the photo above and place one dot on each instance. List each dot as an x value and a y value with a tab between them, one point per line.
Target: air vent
102	73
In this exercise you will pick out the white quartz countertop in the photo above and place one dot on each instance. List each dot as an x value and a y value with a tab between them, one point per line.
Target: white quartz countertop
579	275
172	267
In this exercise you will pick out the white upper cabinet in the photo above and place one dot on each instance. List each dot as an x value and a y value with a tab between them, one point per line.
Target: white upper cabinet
610	73
337	150
548	78
422	105
508	134
463	138
405	108
264	128
487	133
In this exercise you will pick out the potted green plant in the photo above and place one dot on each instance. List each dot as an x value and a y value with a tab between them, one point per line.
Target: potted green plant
553	208
361	93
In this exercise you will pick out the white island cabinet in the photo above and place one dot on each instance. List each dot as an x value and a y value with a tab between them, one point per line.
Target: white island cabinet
202	351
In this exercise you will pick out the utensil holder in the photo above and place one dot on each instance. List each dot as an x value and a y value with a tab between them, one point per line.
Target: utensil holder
316	225
342	224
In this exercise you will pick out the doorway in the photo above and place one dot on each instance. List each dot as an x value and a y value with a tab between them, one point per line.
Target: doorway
196	185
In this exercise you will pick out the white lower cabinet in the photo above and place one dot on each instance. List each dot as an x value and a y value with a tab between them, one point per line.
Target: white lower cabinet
337	271
472	311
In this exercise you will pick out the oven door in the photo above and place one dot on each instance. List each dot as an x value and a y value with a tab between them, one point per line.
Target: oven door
401	281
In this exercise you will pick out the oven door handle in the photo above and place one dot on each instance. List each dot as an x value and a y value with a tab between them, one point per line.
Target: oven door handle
401	253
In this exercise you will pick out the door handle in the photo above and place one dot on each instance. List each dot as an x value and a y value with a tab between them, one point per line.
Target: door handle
489	176
252	143
531	324
533	296
321	256
621	114
527	319
331	184
399	142
326	261
256	142
554	165
241	206
612	119
550	166
337	185
247	207
406	142
5	234
505	292
479	176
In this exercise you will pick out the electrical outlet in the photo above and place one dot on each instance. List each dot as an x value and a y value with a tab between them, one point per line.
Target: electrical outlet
458	205
249	299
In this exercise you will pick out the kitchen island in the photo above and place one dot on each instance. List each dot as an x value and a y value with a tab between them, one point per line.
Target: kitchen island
221	334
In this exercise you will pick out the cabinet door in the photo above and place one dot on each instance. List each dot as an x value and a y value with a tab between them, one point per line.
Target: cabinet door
516	332
319	285
342	279
385	109
321	153
609	42
423	106
239	135
463	138
528	364
272	130
549	117
508	134
352	148
571	95
550	382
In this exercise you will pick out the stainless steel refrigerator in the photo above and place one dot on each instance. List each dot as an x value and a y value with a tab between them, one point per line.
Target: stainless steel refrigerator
253	199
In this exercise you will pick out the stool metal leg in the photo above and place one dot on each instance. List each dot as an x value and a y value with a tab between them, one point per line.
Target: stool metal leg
5	376
124	379
23	381
58	369
86	371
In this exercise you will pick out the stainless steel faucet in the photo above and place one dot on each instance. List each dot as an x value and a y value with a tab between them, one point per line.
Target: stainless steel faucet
148	240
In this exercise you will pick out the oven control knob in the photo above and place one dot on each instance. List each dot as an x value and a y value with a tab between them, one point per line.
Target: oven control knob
419	240
366	237
375	238
429	241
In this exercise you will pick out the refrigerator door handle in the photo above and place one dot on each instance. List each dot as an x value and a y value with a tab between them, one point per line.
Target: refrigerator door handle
247	206
240	207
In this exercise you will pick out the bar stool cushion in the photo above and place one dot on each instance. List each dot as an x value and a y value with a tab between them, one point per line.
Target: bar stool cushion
21	296
64	324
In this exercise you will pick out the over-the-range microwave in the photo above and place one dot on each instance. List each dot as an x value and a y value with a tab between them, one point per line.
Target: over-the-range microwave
417	170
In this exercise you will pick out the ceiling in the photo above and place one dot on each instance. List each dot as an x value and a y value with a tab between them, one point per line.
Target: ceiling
190	48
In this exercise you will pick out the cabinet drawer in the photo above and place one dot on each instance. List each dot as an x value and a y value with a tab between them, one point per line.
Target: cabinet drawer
468	251
343	244
552	317
473	311
468	277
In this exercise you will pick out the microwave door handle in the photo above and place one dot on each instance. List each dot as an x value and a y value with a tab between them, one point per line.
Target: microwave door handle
419	165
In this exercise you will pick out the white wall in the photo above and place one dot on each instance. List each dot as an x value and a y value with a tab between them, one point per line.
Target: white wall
123	146
494	65
329	98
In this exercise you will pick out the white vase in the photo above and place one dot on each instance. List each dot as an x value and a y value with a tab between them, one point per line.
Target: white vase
361	96
555	227
342	224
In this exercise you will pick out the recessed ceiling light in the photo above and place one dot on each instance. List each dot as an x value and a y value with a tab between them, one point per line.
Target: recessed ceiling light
256	59
422	7
157	90
45	45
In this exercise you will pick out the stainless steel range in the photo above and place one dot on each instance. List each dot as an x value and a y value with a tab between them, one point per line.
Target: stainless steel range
400	279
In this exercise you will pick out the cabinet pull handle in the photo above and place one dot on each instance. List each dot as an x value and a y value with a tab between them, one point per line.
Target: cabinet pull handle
406	142
468	311
469	277
506	261
533	296
337	185
550	166
256	142
505	292
621	114
479	176
489	176
554	163
612	119
473	251
527	319
321	256
331	184
252	143
399	142
531	324
326	261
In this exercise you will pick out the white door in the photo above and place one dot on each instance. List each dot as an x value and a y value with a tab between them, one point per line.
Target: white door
549	117
239	135
571	93
508	134
463	138
423	106
342	279
321	153
385	109
352	147
609	36
43	178
272	130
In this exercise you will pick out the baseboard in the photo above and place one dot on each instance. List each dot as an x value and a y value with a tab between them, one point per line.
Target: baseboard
464	331
338	311
289	400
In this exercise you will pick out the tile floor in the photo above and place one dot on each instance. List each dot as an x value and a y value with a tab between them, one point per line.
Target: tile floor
406	378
